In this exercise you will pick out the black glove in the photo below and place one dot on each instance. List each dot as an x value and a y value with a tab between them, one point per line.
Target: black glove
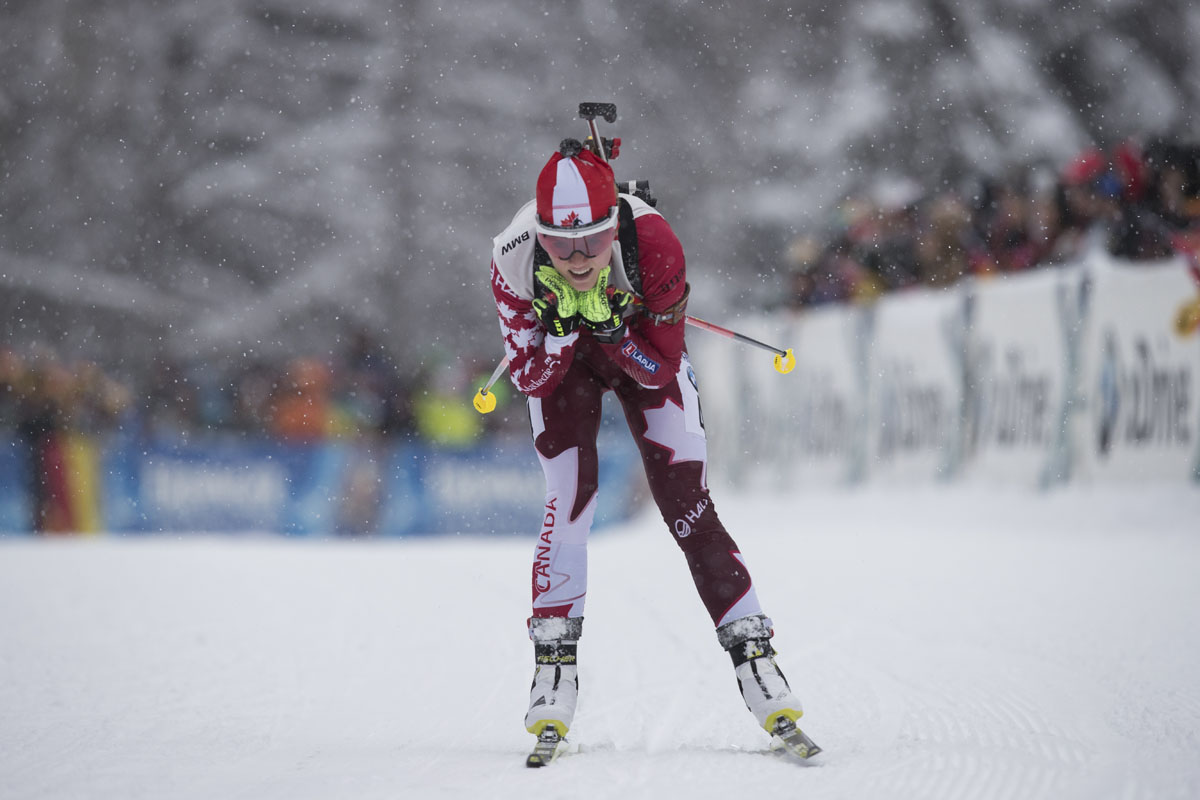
547	312
557	305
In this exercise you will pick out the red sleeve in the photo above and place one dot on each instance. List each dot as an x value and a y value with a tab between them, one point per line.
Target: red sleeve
650	352
537	362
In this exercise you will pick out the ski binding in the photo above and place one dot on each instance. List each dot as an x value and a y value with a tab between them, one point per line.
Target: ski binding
546	749
791	740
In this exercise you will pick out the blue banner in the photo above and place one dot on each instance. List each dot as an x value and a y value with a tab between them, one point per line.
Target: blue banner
234	484
496	488
16	512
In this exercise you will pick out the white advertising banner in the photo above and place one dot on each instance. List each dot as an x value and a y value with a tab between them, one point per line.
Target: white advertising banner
766	421
807	425
1139	378
780	431
825	439
915	396
1017	362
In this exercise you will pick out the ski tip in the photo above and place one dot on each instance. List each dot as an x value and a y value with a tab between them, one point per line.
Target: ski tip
803	750
807	751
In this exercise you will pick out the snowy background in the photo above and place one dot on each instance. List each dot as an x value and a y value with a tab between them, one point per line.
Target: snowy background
239	179
946	644
235	178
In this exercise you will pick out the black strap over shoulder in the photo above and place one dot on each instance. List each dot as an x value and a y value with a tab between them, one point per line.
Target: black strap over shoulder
540	259
627	236
540	256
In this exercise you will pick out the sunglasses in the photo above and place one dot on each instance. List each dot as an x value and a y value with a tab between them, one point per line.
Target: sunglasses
592	245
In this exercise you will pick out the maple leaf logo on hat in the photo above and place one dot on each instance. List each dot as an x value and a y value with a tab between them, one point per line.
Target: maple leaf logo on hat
576	192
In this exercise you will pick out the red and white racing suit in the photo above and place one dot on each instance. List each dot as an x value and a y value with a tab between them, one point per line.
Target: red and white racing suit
564	379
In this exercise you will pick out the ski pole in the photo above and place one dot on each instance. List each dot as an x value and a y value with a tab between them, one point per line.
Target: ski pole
785	361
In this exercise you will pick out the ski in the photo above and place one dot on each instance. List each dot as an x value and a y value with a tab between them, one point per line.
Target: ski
790	740
546	749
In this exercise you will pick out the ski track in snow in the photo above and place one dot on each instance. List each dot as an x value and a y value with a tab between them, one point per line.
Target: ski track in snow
947	643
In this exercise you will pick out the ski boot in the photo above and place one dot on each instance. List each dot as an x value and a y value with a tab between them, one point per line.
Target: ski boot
763	686
555	688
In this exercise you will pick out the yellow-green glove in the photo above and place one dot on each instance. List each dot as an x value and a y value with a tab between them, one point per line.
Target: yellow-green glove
561	294
602	308
593	304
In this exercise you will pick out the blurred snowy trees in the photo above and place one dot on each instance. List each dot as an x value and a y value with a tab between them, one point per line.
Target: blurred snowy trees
224	178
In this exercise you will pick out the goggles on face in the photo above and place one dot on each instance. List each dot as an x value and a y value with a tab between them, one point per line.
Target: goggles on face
591	240
591	245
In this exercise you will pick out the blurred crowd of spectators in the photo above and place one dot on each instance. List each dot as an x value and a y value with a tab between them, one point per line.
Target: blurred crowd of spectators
1137	201
359	395
39	393
300	399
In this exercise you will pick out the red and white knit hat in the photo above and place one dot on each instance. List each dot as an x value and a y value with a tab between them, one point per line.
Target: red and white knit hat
576	195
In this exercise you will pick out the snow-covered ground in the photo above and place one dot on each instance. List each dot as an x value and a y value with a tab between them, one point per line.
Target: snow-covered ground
947	643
